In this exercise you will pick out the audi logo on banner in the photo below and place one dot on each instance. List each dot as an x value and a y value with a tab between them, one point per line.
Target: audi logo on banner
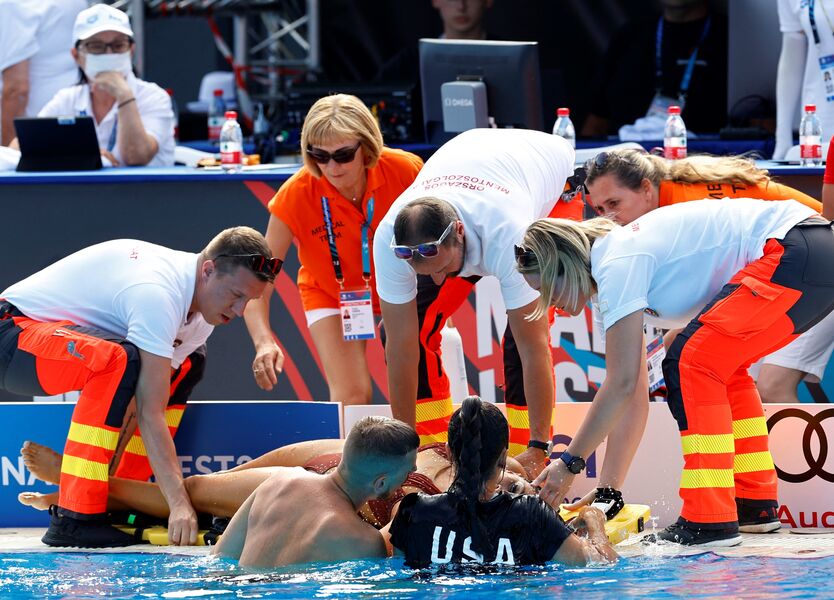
813	426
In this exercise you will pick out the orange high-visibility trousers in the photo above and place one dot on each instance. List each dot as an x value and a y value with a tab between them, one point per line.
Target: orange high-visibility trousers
42	358
134	460
713	398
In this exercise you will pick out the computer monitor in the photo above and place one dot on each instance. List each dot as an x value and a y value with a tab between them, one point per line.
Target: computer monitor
510	71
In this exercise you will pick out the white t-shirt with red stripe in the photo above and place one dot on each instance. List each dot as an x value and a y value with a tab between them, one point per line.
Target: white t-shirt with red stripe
672	261
133	289
499	181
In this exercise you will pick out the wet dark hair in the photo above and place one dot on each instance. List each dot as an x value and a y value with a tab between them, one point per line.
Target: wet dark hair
478	434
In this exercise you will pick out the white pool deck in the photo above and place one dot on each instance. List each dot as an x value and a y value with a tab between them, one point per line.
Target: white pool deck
783	544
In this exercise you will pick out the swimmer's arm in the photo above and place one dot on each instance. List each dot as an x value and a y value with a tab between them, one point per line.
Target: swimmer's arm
233	539
385	532
579	550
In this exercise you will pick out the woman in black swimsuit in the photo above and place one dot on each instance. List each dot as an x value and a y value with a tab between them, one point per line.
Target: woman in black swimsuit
477	522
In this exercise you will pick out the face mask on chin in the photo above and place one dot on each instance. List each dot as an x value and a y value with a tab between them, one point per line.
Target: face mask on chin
98	63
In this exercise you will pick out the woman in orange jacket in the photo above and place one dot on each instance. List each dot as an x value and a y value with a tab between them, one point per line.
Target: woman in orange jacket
331	208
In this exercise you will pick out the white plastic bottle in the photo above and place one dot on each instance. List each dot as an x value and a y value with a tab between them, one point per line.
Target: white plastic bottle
454	362
674	135
216	110
810	138
563	127
231	143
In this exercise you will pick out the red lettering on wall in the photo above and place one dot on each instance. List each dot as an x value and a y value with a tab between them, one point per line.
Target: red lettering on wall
786	517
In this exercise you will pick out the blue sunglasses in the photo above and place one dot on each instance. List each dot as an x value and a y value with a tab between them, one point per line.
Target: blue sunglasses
427	250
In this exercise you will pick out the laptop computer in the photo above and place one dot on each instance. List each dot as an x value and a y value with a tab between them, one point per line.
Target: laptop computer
57	144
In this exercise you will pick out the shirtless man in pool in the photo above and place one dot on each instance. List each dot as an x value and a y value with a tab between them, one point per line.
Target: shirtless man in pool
293	515
296	516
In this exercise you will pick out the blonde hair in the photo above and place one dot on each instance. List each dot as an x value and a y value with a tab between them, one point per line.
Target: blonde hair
338	117
632	166
562	248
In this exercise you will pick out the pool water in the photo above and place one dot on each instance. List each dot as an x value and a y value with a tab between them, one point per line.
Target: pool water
80	575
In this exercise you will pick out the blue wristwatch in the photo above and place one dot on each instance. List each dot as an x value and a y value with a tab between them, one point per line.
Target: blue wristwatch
575	464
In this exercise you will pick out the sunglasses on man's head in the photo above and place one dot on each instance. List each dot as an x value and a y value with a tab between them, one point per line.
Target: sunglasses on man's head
427	250
525	258
340	156
258	263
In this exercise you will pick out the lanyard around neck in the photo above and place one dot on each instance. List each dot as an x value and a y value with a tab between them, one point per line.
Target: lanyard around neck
111	143
690	65
812	19
331	241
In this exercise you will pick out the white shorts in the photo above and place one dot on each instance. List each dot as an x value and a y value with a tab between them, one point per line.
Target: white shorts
809	353
317	314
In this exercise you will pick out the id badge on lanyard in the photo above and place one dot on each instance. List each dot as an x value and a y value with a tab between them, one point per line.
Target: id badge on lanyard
355	306
357	313
655	353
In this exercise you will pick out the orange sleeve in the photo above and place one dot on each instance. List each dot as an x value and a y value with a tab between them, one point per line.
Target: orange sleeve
284	204
673	192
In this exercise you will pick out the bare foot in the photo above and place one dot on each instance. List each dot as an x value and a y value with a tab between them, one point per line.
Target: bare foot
38	500
44	463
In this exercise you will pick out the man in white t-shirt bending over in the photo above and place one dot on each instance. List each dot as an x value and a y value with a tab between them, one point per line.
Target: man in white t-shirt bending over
110	321
458	222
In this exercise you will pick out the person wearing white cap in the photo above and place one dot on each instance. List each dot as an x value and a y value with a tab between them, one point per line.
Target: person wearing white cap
34	63
134	118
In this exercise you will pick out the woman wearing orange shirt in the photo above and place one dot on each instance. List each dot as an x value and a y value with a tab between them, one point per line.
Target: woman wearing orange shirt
332	207
626	184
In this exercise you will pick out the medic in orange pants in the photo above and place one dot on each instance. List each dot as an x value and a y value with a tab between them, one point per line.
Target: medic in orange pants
728	473
53	358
